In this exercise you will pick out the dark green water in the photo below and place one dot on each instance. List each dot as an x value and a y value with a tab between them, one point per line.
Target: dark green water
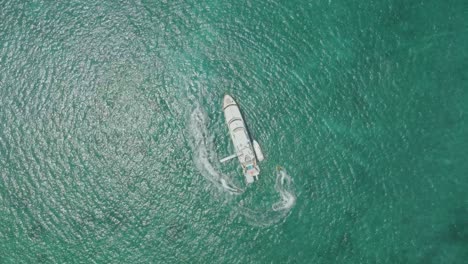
111	127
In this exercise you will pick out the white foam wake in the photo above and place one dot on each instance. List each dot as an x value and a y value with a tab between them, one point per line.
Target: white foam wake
204	154
206	161
279	210
283	186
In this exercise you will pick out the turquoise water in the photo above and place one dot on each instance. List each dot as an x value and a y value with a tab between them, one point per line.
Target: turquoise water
111	128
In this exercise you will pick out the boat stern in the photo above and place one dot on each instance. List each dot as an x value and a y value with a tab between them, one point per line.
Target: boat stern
251	173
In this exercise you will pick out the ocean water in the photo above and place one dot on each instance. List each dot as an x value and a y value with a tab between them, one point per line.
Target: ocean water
111	128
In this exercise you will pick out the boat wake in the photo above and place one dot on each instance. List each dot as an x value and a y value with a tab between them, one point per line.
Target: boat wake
204	154
283	186
279	210
205	157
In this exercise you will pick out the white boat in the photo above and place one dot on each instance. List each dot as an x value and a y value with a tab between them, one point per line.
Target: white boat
247	152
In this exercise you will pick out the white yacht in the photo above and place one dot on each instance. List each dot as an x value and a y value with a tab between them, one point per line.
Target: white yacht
248	152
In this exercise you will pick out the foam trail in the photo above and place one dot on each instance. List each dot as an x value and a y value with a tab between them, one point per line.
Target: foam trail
283	186
204	154
279	210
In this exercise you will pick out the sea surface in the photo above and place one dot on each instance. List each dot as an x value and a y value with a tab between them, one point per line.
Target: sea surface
111	131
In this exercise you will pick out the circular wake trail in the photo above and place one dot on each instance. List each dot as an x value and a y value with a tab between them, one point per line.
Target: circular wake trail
204	154
279	210
205	159
283	186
